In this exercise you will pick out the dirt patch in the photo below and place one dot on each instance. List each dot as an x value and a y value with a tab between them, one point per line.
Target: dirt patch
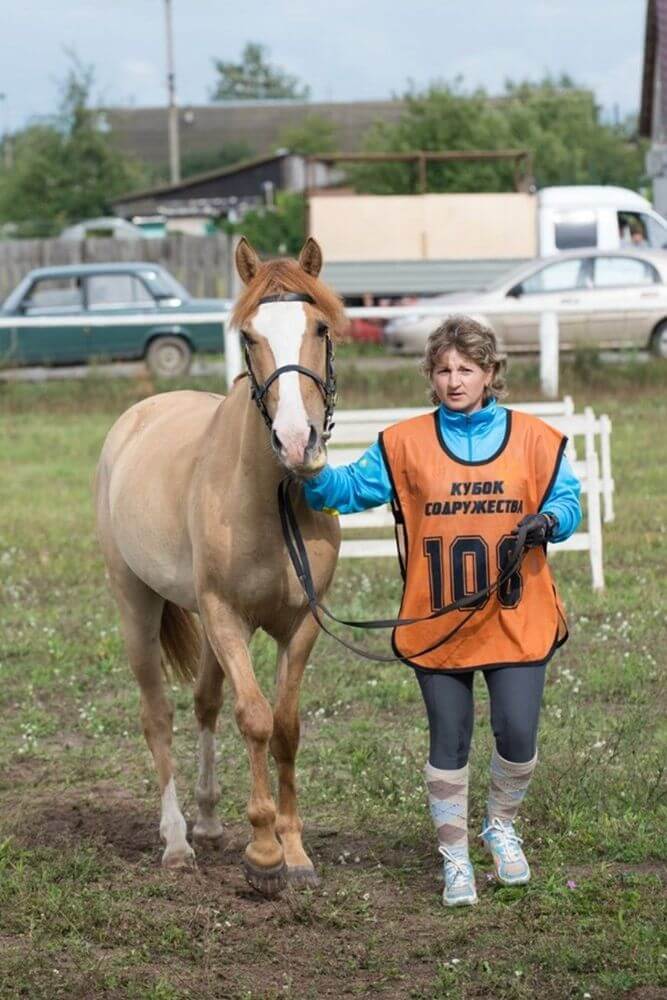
106	815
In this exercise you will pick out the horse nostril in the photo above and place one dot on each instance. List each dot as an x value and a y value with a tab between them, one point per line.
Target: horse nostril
276	443
312	439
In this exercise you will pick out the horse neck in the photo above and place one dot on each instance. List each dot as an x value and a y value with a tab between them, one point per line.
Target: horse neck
249	458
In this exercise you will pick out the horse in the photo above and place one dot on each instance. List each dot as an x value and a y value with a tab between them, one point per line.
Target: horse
187	519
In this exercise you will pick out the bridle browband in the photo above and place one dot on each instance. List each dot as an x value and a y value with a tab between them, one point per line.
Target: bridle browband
292	533
327	386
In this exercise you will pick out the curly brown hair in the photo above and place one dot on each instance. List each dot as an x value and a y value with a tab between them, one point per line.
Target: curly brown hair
474	341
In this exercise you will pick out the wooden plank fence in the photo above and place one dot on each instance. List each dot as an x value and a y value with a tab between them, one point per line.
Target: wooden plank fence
201	263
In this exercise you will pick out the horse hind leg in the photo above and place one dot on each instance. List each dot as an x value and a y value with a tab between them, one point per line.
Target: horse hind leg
208	701
141	611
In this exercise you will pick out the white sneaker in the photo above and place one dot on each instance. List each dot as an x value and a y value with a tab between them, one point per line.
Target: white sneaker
459	881
504	844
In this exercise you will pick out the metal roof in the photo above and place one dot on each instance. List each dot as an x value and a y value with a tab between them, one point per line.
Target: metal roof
192	179
259	125
414	277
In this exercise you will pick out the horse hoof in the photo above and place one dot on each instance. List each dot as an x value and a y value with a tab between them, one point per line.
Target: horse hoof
269	882
178	859
208	837
302	877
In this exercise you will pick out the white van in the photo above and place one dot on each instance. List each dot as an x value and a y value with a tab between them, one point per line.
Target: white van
609	218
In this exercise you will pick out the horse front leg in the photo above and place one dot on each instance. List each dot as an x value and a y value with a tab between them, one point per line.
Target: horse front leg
292	659
228	635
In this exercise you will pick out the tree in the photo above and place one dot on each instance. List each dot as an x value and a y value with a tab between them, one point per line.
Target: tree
314	134
555	119
276	229
255	79
66	170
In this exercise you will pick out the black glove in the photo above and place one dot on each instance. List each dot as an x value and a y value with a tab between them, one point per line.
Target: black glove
541	528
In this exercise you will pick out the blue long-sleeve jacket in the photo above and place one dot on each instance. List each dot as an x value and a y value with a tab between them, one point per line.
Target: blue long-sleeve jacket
475	437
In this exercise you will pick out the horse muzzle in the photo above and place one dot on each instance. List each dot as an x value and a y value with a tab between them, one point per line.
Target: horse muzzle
300	455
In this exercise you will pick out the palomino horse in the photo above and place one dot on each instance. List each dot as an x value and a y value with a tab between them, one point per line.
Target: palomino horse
188	523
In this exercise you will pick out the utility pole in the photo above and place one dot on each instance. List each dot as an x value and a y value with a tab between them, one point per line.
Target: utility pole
174	150
7	151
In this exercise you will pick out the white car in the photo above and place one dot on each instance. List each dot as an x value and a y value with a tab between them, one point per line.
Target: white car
604	299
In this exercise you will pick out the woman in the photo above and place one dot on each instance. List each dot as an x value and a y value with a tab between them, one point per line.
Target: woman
461	481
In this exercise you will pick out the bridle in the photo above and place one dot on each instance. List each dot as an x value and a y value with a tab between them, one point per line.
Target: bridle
327	385
292	533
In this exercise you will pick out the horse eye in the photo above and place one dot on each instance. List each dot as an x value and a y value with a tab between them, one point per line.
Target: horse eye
322	329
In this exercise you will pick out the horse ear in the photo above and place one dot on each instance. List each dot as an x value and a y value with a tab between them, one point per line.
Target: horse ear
310	257
247	261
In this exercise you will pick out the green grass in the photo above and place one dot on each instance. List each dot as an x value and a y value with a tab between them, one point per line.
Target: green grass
85	909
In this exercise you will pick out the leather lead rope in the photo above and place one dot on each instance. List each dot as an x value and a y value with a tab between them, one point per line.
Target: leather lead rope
300	562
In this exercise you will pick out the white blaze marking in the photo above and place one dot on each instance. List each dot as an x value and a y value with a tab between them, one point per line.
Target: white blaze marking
284	324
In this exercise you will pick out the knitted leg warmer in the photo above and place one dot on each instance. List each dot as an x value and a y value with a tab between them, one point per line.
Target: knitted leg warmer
508	786
448	803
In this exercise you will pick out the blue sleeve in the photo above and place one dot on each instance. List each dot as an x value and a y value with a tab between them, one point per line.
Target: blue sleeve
350	488
563	501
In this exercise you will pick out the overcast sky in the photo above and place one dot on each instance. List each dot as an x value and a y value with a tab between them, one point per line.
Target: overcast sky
345	49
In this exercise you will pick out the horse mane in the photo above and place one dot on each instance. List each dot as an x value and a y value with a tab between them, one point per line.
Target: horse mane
285	275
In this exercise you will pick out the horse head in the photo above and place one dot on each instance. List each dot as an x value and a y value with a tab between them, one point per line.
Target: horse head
289	320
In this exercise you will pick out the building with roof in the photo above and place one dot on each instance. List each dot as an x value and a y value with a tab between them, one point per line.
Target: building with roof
653	110
191	204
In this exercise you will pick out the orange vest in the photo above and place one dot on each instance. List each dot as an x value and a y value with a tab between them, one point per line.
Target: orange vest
457	517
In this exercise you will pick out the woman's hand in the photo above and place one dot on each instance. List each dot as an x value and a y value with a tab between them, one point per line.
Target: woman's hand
540	529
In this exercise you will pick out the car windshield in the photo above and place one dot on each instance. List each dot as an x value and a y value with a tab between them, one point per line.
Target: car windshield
503	279
163	285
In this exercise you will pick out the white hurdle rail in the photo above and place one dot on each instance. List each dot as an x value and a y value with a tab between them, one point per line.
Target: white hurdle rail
356	429
590	427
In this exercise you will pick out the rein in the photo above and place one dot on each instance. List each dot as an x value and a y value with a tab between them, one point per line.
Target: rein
299	559
292	533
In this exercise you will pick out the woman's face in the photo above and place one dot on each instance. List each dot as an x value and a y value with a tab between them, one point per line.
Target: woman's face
459	383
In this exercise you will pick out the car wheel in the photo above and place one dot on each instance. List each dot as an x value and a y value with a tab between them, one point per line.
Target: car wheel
658	344
168	357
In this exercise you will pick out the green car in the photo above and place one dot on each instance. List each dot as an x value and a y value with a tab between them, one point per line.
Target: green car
68	315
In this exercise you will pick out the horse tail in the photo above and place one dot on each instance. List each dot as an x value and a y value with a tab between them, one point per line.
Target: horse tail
181	642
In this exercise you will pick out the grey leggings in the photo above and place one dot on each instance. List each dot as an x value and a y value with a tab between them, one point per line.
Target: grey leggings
516	697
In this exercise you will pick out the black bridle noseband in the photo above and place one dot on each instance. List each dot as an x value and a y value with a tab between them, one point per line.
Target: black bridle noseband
327	385
292	533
